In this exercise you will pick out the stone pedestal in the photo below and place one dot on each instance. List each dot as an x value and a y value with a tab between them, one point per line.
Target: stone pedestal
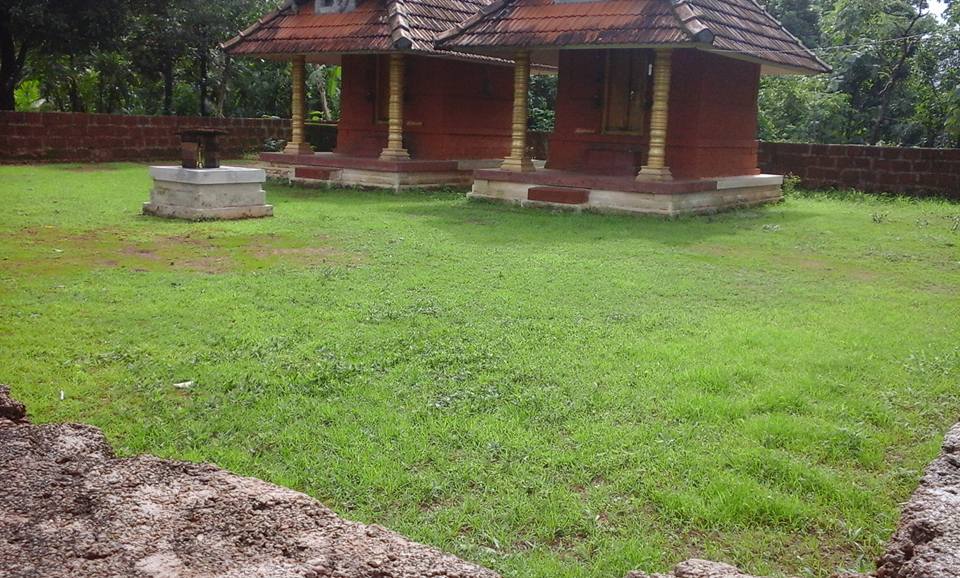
202	194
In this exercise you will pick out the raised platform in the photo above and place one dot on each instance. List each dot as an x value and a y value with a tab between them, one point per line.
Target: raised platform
342	170
580	191
207	194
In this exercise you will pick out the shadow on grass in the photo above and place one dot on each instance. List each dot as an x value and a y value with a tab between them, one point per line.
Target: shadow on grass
483	222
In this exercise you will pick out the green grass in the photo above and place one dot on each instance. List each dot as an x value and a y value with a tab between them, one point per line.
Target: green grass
550	395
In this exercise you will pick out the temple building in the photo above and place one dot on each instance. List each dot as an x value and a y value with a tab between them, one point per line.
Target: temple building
411	115
656	99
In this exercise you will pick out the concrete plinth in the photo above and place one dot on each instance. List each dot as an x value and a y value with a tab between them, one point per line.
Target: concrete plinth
330	169
577	191
202	194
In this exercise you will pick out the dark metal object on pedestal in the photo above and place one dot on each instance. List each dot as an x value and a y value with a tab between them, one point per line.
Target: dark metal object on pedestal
199	148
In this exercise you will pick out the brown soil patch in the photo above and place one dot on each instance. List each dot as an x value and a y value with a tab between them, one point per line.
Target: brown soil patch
70	508
789	260
48	249
300	255
92	168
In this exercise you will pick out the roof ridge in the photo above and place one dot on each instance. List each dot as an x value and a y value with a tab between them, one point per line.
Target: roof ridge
479	15
269	16
399	28
690	22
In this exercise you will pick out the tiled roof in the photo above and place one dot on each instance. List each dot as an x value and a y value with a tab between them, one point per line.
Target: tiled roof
374	25
532	23
739	27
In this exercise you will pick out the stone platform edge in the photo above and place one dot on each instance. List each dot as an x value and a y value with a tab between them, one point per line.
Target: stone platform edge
223	175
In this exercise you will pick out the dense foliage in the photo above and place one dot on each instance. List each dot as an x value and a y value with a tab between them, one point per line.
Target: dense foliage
895	79
144	57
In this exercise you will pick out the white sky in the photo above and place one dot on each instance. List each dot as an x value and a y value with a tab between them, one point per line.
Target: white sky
937	7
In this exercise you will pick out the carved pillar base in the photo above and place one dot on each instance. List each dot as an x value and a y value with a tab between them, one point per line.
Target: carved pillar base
652	174
520	165
297	148
399	154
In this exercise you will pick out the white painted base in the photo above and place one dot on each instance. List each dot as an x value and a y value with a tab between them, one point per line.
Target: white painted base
381	179
730	193
209	214
368	179
200	194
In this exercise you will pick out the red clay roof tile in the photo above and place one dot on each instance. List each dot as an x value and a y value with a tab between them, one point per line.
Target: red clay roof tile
738	27
374	25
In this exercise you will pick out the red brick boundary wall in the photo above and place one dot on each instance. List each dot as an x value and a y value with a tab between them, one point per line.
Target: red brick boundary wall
81	137
907	171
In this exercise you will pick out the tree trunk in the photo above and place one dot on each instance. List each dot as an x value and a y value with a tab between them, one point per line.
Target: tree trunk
167	74
73	89
101	99
887	92
224	82
324	103
202	84
76	102
11	64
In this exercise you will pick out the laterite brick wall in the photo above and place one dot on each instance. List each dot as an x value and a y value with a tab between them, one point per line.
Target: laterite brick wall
74	137
908	171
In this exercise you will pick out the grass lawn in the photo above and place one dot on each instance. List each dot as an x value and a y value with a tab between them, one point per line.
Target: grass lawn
550	395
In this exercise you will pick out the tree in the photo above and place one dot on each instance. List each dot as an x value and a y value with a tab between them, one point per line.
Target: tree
802	109
542	97
950	82
325	80
886	35
156	43
69	28
205	26
800	17
895	77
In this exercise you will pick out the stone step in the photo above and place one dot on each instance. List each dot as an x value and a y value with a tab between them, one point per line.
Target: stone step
561	195
316	173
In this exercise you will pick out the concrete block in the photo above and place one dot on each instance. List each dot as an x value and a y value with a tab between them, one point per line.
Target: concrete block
201	194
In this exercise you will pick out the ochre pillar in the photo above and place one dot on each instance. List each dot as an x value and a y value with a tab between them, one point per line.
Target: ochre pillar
395	150
656	168
298	144
518	159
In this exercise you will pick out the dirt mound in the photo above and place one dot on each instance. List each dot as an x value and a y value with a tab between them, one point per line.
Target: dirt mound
69	508
11	410
927	541
695	568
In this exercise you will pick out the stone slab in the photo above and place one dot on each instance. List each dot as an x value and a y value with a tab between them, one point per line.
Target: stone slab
207	214
219	176
749	181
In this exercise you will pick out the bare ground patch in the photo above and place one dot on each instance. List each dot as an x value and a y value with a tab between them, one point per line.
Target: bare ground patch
90	168
790	261
39	250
